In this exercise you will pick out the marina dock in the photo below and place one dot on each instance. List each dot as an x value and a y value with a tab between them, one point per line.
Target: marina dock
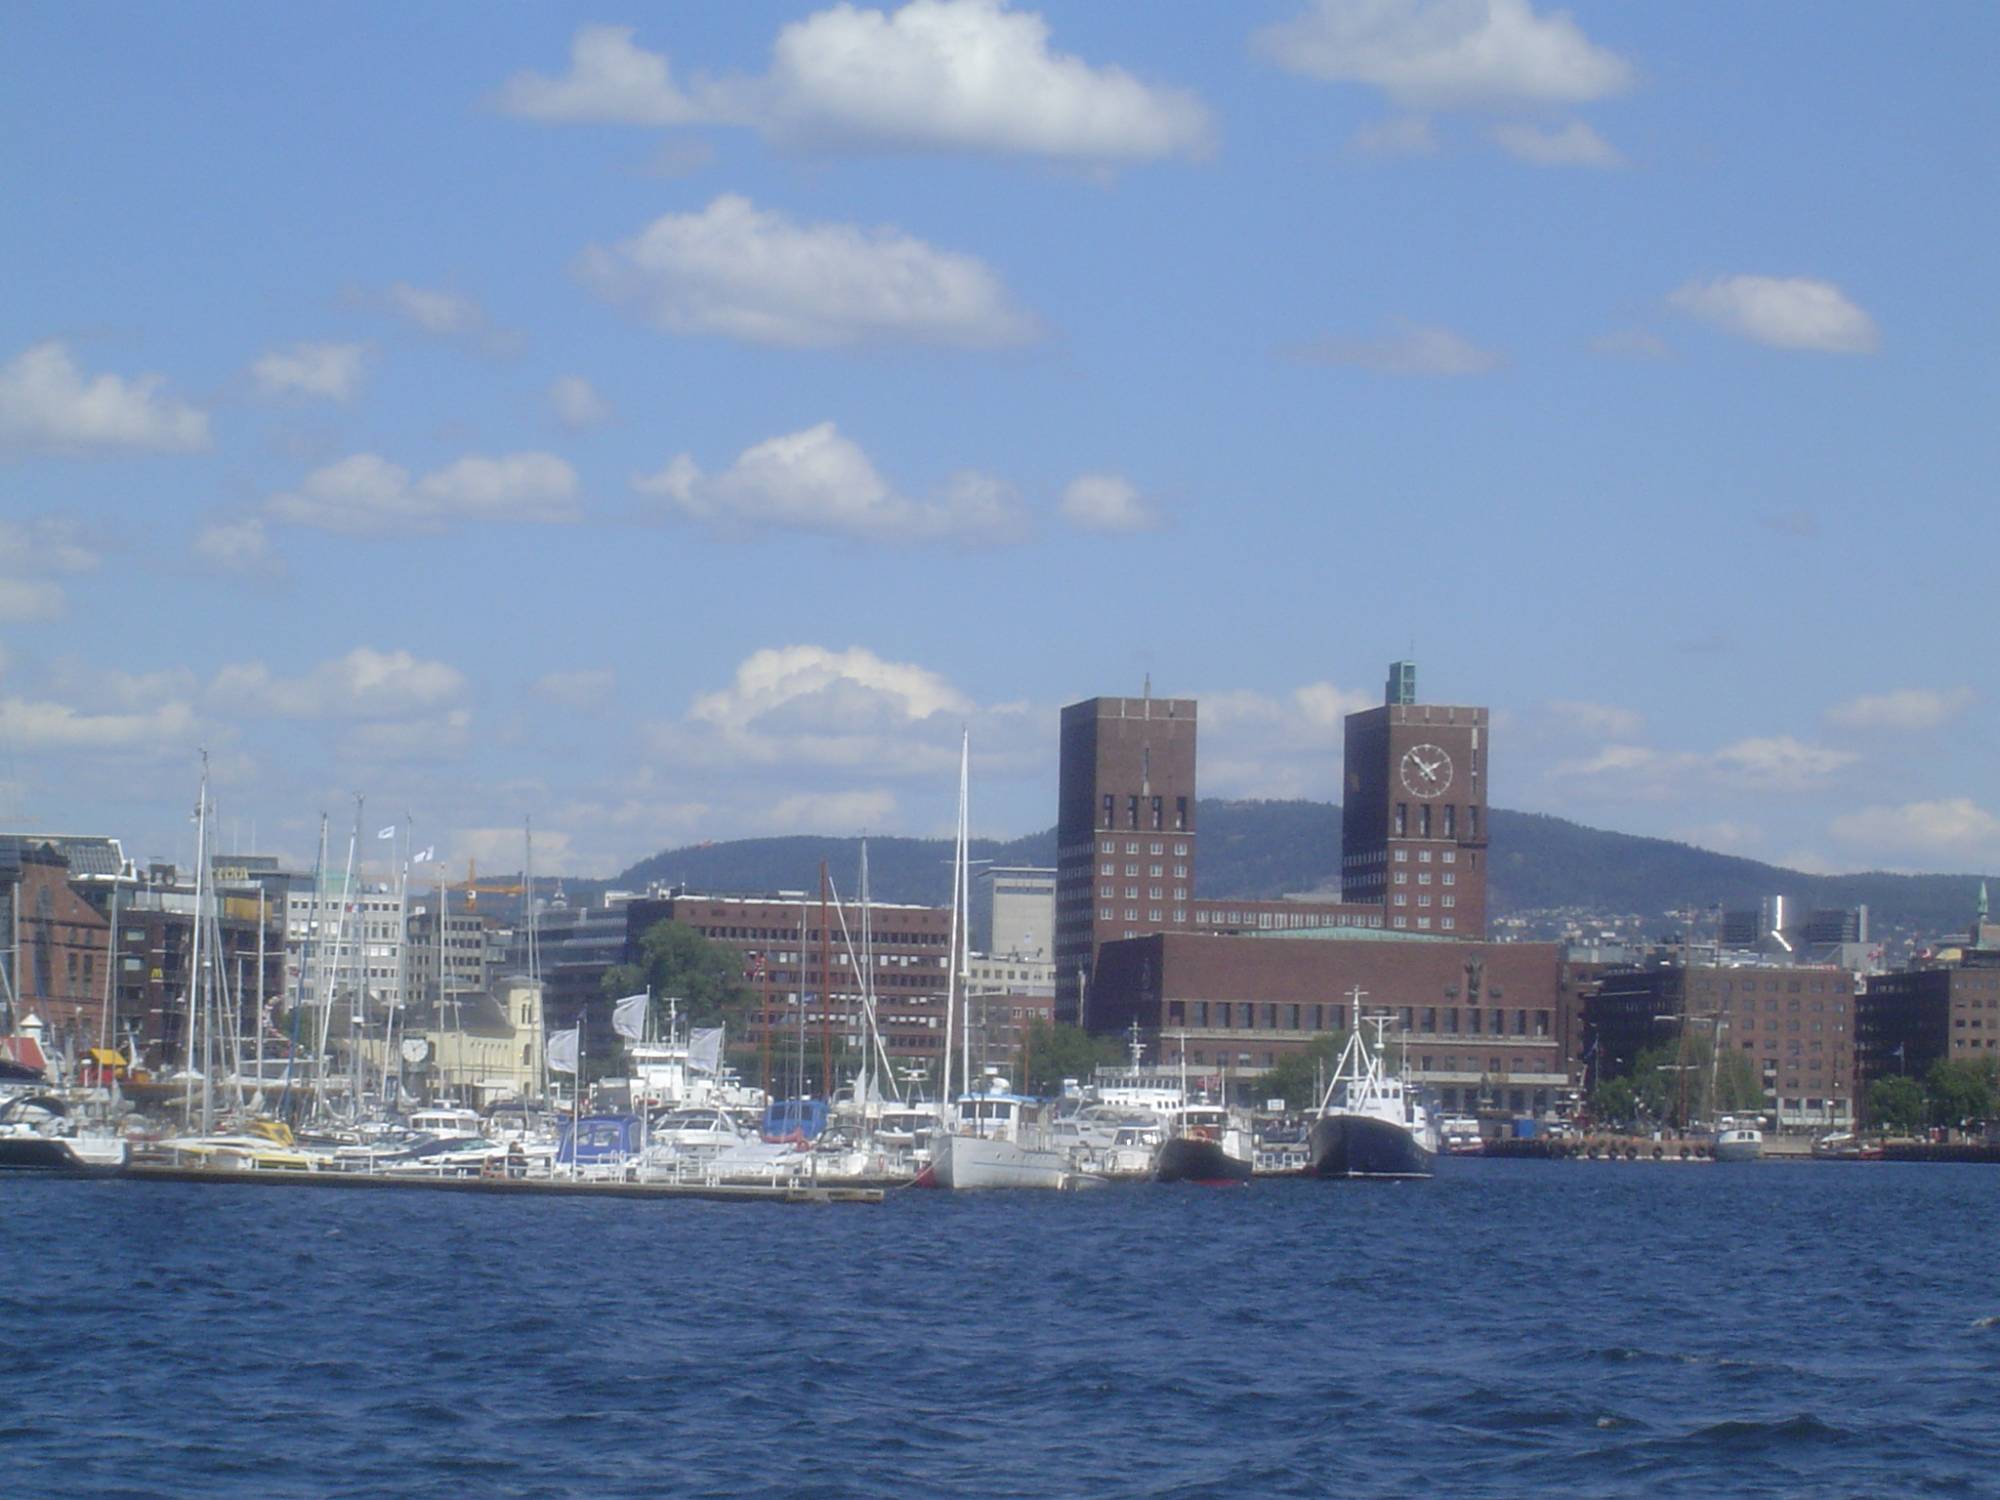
519	1187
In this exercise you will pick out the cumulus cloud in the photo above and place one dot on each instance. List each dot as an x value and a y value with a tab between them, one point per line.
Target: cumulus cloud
26	600
1447	54
1571	145
1773	763
822	482
741	272
1405	351
1108	503
242	545
47	405
435	311
1950	827
33	725
1784	312
332	371
936	75
1908	709
610	81
365	494
1256	744
830	812
363	684
577	404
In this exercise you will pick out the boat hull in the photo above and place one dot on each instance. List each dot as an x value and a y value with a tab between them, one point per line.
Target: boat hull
1740	1149
55	1156
1359	1146
969	1161
1184	1159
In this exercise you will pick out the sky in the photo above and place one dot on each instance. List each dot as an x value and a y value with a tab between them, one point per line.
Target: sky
680	423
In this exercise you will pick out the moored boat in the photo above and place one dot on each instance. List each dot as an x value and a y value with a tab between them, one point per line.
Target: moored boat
1370	1124
1738	1140
1206	1147
38	1134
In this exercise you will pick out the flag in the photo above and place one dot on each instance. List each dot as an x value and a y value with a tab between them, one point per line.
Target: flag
628	1016
561	1051
429	854
705	1049
387	833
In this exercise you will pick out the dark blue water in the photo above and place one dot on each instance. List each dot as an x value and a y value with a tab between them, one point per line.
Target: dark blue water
1510	1328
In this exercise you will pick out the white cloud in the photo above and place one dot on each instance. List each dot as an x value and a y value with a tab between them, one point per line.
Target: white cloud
1785	312
330	370
838	813
577	404
365	494
48	406
1604	720
1775	763
588	688
820	481
780	678
429	738
1403	135
237	546
1447	54
1406	351
1259	745
39	725
1903	709
446	314
1725	837
936	75
364	684
24	600
963	75
1572	145
746	273
610	81
1108	503
1951	827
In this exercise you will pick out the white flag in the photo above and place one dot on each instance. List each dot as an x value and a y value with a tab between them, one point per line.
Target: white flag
387	833
429	854
561	1051
628	1017
705	1049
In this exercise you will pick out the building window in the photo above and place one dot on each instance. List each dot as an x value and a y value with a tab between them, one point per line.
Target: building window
1155	893
1450	857
1153	915
1132	849
1424	877
1131	915
1448	901
1424	900
1108	846
1445	922
1159	848
1132	811
1106	914
1105	892
1472	822
1402	856
1402	819
1449	878
1159	814
1402	877
1180	915
1157	871
1424	858
1450	822
1131	893
1402	921
1402	899
1180	893
1180	819
1179	850
1110	808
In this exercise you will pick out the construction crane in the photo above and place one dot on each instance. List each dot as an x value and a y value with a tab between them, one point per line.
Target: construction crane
472	885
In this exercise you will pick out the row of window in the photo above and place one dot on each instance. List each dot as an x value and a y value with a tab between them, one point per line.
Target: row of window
1180	871
1110	846
1445	856
1403	899
1151	809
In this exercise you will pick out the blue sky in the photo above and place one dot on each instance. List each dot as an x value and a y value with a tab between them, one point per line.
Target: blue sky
676	423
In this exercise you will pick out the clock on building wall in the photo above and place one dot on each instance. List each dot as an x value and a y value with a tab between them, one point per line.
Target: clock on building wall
1426	771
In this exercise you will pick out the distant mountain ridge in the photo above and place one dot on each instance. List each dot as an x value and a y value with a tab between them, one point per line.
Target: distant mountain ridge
1266	849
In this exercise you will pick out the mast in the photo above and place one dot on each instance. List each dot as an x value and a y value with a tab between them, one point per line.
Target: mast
951	958
195	946
110	969
260	989
357	977
825	998
961	897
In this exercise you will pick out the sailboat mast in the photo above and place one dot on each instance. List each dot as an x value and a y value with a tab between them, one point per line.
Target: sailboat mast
194	943
962	900
951	958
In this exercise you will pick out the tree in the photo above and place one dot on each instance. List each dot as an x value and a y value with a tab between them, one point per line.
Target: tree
1737	1086
1615	1102
1056	1052
704	978
1962	1091
1896	1102
1299	1076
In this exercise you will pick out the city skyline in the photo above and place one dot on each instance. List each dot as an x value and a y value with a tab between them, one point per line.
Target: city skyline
629	421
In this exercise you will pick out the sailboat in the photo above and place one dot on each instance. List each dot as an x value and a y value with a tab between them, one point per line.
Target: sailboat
989	1136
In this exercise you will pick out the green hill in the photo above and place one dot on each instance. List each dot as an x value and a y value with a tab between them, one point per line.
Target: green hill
1251	849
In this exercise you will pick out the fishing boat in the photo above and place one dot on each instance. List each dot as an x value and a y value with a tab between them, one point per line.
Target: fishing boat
995	1141
1208	1146
1370	1124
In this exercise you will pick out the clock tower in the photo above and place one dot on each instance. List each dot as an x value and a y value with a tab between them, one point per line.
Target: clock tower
1413	812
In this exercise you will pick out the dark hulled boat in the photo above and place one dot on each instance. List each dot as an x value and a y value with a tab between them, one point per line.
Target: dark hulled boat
1370	1125
1187	1158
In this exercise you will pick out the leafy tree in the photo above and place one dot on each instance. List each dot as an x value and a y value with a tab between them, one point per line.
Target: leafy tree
1615	1102
1896	1102
1738	1089
1962	1090
703	977
1056	1052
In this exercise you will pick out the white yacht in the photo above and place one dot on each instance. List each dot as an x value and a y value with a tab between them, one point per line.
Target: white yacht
1738	1140
995	1139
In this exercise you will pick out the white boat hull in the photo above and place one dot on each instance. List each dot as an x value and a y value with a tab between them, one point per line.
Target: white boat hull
1739	1145
971	1161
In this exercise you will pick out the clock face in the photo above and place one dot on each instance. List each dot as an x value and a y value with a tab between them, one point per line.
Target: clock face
1426	771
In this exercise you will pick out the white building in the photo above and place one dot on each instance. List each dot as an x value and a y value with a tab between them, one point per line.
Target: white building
1014	911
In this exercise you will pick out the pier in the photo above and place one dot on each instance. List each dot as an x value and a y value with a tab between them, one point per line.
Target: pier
518	1187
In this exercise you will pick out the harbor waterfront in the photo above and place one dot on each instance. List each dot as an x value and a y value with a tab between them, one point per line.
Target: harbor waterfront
1504	1327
